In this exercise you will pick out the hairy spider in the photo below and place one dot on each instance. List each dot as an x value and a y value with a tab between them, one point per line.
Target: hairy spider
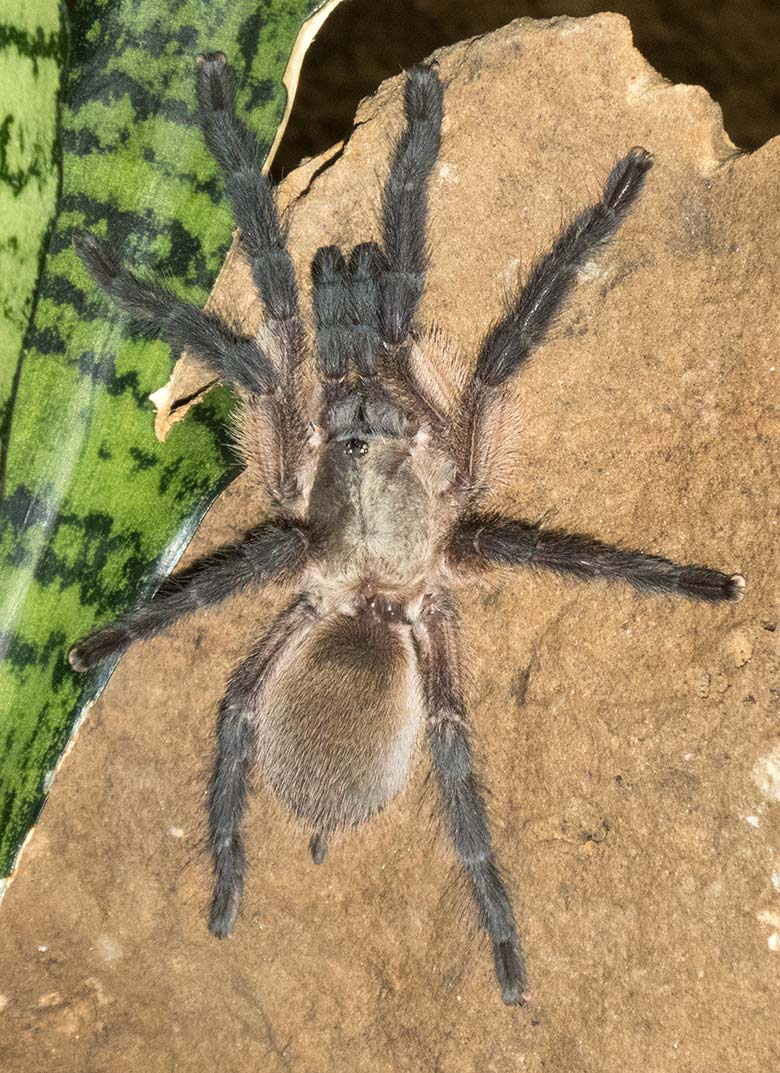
377	476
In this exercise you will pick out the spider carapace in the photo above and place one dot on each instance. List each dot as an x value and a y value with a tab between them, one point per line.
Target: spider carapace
377	478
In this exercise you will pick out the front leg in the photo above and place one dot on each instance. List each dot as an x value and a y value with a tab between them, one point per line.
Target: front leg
271	552
438	651
251	196
486	539
264	239
405	204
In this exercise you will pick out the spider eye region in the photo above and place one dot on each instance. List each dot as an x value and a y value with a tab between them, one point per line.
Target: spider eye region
356	447
385	608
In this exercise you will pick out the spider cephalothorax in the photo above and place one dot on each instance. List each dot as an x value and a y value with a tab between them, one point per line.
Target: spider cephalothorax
377	477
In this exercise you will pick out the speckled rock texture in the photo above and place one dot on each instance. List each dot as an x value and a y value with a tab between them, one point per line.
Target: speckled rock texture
631	745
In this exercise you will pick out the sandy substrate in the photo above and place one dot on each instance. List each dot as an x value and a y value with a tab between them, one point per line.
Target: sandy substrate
631	745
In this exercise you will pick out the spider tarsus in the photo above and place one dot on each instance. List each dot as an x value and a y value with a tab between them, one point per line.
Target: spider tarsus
94	650
366	261
222	918
641	156
702	583
318	847
510	972
626	179
423	92
97	257
217	58
214	81
736	587
76	660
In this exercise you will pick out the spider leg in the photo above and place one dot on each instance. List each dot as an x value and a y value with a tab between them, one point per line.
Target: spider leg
525	324
460	790
365	310
405	204
552	278
236	753
249	191
270	552
264	237
330	298
376	298
492	539
236	361
366	263
399	267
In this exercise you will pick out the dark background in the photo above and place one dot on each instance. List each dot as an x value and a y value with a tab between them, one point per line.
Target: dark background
729	48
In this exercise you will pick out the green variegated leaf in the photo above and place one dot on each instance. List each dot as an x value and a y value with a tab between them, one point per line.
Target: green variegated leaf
94	510
32	53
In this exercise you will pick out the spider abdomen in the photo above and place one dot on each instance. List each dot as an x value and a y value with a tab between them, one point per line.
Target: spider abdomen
336	731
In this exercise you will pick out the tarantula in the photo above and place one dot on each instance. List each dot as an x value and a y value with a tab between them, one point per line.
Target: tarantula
377	476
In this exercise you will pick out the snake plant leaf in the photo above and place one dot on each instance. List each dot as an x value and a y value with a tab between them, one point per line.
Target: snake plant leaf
94	510
32	56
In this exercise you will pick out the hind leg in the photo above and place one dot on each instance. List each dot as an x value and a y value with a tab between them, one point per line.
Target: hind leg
459	786
235	761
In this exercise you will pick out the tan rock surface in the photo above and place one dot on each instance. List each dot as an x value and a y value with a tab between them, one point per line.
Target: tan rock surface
631	745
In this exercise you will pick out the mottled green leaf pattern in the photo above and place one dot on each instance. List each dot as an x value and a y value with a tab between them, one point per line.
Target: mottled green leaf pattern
90	499
32	53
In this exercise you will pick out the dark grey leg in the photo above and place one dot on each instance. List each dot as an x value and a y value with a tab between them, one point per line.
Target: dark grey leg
236	750
366	264
492	539
264	238
272	551
461	796
527	321
405	204
330	298
250	192
236	361
525	324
